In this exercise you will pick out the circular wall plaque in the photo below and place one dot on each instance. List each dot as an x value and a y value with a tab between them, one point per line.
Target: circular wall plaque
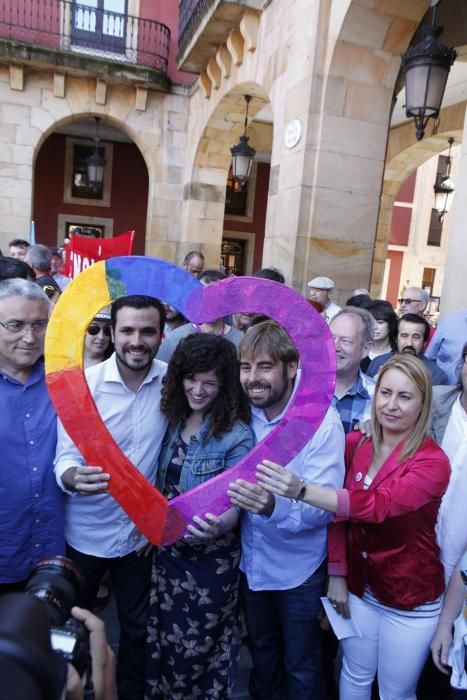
293	133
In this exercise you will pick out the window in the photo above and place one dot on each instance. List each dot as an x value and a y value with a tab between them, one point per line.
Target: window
91	231
233	256
76	188
435	230
428	280
80	183
100	24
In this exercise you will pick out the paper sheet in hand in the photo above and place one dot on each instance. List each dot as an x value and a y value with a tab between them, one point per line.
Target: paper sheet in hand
342	628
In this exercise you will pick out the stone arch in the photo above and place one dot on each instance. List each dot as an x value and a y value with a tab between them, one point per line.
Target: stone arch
348	146
157	126
111	212
204	189
404	155
117	123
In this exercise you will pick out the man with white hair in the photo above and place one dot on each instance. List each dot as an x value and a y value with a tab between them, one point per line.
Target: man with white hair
414	300
320	290
31	504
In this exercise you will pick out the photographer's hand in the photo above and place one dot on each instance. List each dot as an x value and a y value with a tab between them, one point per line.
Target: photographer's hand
103	661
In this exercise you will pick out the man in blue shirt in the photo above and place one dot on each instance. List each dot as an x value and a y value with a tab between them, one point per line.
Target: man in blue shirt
447	344
31	504
352	329
284	542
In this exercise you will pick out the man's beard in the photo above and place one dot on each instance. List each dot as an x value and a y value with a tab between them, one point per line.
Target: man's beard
409	350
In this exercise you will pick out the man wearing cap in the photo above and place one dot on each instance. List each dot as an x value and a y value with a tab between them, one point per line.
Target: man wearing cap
56	266
320	289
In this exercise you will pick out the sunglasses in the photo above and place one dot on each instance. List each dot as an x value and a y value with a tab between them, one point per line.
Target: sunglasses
408	301
95	329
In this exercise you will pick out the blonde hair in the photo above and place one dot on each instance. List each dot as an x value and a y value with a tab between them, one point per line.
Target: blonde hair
415	370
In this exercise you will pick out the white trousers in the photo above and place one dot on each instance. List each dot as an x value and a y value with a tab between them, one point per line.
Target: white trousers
392	645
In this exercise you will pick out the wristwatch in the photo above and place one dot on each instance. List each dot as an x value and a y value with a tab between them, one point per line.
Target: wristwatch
302	491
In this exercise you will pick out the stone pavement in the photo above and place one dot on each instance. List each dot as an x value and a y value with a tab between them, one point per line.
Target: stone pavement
109	615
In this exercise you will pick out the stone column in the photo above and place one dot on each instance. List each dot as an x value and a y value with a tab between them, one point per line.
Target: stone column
454	296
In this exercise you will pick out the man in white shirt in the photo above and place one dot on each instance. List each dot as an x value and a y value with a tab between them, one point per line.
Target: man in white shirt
284	542
99	534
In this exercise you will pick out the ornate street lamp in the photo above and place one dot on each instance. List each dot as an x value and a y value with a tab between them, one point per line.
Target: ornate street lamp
242	154
444	188
426	67
95	163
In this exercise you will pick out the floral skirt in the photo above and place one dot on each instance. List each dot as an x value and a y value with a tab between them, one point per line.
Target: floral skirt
193	625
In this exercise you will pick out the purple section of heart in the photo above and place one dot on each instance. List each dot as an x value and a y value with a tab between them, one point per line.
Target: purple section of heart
311	400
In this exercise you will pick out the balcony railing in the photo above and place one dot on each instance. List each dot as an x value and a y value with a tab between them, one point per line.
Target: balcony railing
73	26
190	13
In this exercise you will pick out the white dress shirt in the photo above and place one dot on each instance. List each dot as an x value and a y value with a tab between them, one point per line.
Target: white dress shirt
281	551
451	517
96	524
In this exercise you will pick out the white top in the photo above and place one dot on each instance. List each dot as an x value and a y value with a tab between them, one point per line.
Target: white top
456	430
61	280
330	311
281	551
450	527
96	524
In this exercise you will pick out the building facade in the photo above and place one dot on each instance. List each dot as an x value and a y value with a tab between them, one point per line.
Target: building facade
168	81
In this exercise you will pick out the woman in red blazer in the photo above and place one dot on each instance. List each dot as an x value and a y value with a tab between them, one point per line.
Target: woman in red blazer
384	565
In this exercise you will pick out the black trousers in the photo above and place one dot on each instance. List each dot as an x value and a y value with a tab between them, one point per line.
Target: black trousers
130	579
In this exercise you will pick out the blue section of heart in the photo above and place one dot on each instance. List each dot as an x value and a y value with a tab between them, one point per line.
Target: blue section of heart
153	277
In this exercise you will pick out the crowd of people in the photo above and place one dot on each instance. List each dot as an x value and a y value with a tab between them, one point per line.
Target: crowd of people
370	513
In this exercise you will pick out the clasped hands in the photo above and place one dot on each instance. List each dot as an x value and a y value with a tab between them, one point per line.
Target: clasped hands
87	481
273	480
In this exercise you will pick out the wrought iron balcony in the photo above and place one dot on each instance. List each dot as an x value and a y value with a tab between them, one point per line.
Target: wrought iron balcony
203	24
72	26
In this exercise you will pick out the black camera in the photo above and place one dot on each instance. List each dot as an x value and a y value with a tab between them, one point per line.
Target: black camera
56	581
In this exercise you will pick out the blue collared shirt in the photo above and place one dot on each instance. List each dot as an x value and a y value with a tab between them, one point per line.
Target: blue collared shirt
355	405
281	551
31	504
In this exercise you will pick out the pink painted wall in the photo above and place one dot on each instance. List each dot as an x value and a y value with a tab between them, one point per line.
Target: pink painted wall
38	22
166	11
34	22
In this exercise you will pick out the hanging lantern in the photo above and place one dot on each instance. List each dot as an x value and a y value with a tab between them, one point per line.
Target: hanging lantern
444	188
95	163
242	154
426	67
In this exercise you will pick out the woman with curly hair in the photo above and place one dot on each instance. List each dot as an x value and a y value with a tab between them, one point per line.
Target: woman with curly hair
193	630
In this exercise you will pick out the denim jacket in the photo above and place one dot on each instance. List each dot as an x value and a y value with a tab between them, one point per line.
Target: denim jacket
205	457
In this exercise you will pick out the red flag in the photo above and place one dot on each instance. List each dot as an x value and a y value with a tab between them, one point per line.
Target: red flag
81	251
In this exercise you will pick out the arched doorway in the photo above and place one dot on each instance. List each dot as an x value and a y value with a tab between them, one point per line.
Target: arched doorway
205	218
64	203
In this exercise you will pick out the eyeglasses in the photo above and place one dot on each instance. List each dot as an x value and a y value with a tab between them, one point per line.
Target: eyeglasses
409	301
20	327
94	329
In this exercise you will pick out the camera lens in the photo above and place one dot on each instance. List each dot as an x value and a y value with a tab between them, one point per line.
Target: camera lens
57	582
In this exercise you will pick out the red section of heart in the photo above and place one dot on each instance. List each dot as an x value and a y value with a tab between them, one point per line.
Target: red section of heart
145	505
